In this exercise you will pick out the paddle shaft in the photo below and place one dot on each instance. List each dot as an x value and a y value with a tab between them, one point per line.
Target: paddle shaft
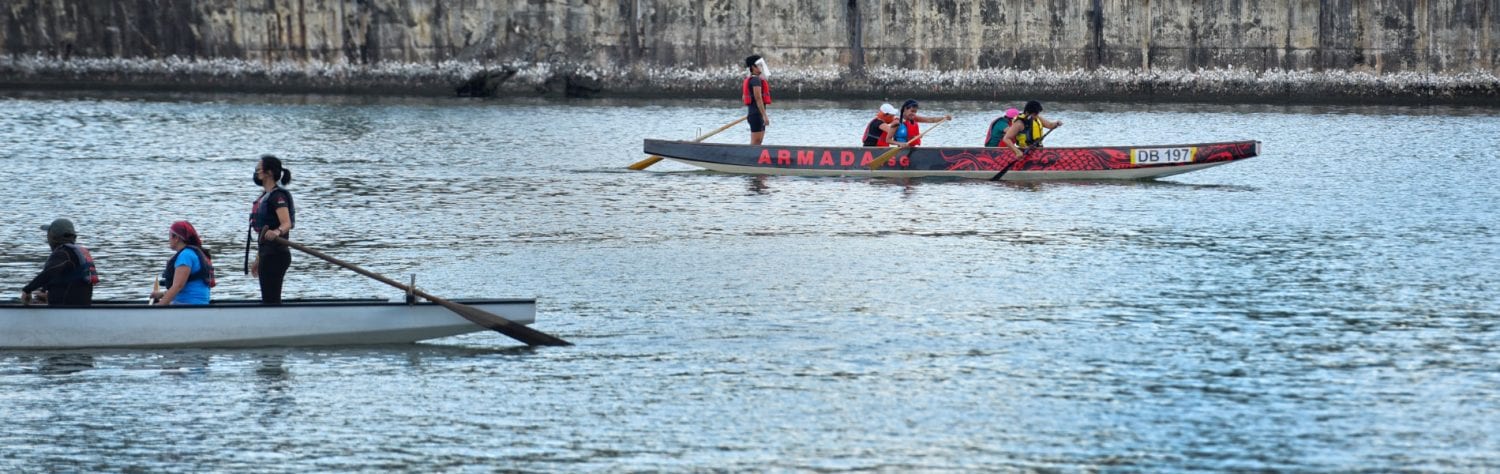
477	316
651	160
1022	155
884	157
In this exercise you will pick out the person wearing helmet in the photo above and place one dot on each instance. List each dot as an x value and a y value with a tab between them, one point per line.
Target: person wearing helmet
908	130
1026	129
755	92
69	276
878	131
996	135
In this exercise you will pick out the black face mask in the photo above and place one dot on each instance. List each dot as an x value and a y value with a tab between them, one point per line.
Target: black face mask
258	181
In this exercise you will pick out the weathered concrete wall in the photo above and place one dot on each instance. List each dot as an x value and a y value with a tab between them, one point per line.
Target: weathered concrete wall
1381	35
632	39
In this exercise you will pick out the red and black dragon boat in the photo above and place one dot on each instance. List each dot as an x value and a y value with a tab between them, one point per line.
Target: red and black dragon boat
1060	163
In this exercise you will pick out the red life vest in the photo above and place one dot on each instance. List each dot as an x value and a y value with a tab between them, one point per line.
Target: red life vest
765	92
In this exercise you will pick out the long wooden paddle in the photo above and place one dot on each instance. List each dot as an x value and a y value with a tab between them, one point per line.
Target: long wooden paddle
651	160
483	318
1023	154
884	157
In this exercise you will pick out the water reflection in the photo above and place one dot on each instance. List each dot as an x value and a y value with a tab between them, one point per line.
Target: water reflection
66	363
757	184
274	400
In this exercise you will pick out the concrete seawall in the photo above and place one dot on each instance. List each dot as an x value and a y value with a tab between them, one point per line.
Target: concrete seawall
1370	50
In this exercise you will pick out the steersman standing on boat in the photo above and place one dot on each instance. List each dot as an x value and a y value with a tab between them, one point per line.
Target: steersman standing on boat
272	215
755	92
69	276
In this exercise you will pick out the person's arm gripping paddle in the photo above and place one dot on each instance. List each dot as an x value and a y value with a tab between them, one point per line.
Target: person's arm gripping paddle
884	157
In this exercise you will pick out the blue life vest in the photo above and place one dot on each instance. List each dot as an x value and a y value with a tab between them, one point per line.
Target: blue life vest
900	135
205	271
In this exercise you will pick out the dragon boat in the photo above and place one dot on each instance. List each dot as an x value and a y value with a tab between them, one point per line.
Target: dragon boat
1059	163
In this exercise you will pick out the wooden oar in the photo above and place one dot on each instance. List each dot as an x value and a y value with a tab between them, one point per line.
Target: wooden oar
151	298
651	160
884	157
477	316
1023	154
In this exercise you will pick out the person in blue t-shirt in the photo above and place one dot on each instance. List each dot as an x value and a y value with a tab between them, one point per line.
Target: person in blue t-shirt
190	272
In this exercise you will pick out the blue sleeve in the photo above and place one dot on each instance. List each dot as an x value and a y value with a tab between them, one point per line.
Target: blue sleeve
188	259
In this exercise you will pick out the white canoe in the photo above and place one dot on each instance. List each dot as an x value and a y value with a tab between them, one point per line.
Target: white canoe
243	323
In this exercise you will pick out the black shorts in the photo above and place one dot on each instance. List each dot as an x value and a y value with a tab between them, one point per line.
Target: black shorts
757	122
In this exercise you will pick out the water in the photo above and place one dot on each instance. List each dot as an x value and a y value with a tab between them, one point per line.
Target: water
1330	305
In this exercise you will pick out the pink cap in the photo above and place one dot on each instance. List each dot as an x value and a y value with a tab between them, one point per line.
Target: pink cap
1012	113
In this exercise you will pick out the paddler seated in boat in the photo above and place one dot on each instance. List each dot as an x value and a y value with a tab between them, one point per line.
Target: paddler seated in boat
995	137
69	276
1026	129
878	131
190	271
908	129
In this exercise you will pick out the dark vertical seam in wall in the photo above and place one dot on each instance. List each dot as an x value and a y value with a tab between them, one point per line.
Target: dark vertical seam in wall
700	18
1194	51
856	39
750	26
1321	49
1484	35
1430	56
1291	24
302	28
632	31
1150	29
1097	18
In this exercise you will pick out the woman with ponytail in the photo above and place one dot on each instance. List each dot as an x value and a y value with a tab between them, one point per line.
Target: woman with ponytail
271	216
190	272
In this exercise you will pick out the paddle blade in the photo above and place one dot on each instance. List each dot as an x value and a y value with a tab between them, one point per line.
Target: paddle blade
474	315
504	326
879	161
651	160
643	164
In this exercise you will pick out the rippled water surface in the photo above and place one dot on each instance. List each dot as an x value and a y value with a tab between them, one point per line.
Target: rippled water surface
1330	305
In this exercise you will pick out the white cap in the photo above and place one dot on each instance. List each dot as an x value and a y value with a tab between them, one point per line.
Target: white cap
764	71
889	109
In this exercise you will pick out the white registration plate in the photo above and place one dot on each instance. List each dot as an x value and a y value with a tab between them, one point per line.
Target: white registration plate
1162	156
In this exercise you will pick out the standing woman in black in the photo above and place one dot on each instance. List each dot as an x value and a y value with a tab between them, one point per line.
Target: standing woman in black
272	216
